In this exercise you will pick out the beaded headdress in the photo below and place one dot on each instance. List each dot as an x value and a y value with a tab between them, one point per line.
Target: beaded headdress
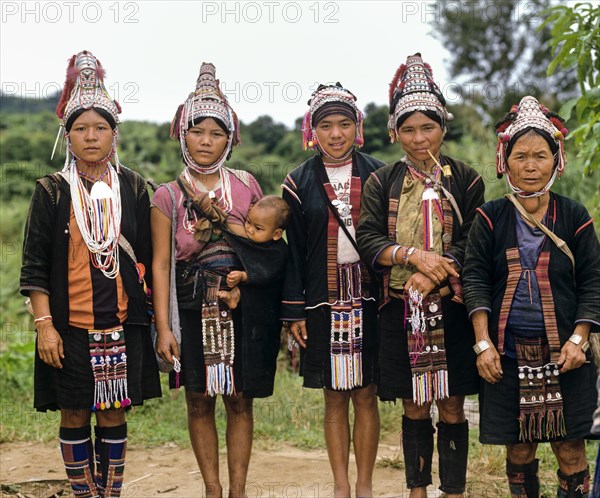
529	114
413	89
327	95
97	210
84	88
207	101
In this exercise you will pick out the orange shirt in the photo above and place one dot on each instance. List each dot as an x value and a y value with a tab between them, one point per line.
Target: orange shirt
95	301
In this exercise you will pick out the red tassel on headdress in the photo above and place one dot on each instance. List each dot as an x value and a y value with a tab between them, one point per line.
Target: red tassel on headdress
397	77
359	141
306	130
237	139
175	129
67	89
428	67
503	126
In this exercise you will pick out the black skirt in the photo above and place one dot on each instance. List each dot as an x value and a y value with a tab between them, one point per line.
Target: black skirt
499	404
72	387
395	376
315	360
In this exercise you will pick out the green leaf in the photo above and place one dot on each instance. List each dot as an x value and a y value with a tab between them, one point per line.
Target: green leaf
567	108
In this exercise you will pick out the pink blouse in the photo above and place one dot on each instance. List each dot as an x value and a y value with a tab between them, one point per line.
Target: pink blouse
242	195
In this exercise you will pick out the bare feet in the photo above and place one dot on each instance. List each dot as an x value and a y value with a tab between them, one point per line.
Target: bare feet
230	298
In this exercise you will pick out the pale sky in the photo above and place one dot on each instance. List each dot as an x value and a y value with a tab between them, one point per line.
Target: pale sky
269	55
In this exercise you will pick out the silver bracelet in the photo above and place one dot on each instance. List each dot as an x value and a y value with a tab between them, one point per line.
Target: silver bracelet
481	346
394	251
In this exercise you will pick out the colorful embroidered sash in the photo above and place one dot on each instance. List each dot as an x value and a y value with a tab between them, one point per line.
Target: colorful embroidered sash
514	274
333	232
347	330
541	416
218	339
426	348
394	192
109	367
540	400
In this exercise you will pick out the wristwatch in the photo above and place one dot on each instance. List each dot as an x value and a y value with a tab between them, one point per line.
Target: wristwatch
481	346
576	339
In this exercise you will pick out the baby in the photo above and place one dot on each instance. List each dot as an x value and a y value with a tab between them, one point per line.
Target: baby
265	222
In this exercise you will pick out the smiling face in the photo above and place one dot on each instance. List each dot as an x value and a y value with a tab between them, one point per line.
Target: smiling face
206	142
530	163
417	134
261	224
336	134
91	137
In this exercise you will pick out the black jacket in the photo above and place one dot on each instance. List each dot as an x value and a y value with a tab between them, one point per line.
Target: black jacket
576	293
306	276
46	242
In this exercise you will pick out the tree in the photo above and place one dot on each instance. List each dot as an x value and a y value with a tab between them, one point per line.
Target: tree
498	55
263	130
576	43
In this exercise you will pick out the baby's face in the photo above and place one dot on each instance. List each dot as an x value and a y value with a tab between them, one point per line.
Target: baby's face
261	225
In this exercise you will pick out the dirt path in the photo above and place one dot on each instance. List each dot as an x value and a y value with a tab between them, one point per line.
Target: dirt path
169	471
172	472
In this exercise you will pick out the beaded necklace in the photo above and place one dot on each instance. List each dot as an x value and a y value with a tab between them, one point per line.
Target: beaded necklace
98	216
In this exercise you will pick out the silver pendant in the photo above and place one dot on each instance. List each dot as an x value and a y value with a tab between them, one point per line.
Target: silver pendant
97	336
101	190
344	209
115	335
433	307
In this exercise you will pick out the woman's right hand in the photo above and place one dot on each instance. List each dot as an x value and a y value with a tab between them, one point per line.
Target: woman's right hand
432	265
166	347
50	344
298	329
488	365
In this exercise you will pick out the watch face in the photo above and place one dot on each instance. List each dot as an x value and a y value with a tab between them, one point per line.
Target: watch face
575	339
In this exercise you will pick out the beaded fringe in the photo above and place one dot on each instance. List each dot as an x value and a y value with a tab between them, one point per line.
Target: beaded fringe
426	348
428	386
219	379
109	367
218	339
347	330
542	426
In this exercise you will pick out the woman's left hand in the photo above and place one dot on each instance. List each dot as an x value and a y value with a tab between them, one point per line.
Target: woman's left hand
420	283
571	357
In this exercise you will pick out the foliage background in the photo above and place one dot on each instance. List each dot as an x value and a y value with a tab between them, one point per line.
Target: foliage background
269	151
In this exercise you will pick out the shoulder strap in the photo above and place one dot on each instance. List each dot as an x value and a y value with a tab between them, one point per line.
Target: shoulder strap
560	243
242	175
173	306
322	180
52	185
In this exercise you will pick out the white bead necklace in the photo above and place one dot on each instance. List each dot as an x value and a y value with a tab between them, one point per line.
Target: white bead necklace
98	216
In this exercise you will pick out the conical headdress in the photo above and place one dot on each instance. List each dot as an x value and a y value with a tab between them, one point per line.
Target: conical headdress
84	88
330	95
207	101
529	114
413	89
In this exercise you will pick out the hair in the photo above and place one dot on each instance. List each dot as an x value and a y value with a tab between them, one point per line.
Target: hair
196	122
281	208
430	114
104	113
542	133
